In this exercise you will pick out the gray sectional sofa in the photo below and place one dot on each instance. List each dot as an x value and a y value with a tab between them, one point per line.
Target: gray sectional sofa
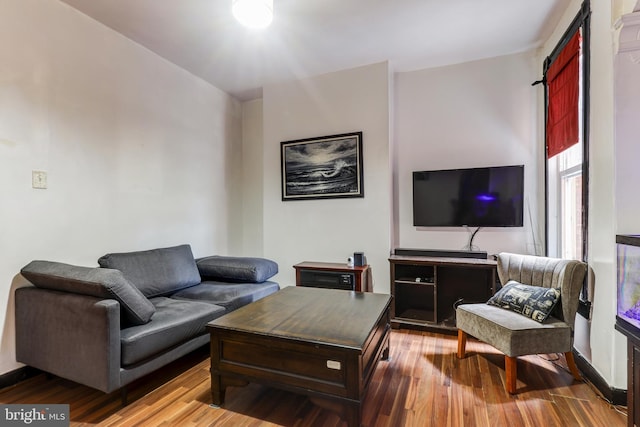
107	326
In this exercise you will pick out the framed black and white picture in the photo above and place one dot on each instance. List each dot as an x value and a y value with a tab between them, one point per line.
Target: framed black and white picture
323	167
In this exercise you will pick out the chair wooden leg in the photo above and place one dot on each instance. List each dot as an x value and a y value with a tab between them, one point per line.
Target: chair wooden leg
462	343
511	373
571	363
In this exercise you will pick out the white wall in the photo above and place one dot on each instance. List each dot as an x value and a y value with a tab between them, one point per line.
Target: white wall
329	230
252	231
627	130
139	153
621	7
479	113
627	91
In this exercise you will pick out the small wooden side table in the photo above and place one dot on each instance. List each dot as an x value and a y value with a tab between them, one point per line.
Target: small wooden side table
334	275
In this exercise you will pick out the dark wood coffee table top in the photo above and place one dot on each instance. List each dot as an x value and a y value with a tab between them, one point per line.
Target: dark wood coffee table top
326	316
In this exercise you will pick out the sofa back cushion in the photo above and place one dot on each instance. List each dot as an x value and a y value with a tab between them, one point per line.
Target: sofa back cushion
156	272
237	269
136	309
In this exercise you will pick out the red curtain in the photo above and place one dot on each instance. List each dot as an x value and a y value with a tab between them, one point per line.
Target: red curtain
563	82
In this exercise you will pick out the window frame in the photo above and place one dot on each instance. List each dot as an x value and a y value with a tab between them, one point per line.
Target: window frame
581	22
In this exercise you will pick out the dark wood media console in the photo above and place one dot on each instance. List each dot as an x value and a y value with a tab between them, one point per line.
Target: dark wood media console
425	289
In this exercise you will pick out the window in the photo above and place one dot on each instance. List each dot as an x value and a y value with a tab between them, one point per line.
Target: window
565	207
566	77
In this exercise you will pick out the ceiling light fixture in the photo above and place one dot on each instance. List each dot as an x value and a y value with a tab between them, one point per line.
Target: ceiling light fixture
253	13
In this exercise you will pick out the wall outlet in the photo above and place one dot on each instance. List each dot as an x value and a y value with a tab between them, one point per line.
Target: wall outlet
39	179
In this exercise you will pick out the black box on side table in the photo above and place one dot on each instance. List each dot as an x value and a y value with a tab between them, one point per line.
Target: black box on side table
334	276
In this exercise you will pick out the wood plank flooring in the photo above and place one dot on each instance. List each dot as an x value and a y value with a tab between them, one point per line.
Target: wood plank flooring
423	384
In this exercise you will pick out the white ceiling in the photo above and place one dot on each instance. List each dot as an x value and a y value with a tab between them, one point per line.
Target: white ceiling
311	37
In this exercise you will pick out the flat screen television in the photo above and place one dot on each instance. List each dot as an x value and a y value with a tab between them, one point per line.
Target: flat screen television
475	197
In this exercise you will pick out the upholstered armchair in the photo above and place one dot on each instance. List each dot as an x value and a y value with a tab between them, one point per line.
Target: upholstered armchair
533	313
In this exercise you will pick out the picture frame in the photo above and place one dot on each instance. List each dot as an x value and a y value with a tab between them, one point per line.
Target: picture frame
325	167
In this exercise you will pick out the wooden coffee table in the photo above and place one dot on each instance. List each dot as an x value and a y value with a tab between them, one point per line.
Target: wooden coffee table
324	343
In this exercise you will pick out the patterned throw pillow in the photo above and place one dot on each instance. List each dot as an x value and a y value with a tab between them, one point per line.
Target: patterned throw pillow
534	302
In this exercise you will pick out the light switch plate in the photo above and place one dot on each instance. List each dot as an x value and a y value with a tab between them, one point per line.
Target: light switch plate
39	179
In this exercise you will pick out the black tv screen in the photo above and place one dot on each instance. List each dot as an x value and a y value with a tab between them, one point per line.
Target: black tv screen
476	197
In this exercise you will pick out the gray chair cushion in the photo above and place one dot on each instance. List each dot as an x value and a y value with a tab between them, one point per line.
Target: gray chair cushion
228	295
97	282
156	272
173	323
566	275
512	333
237	269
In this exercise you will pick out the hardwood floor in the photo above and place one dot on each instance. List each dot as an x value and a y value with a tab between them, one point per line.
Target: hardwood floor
423	384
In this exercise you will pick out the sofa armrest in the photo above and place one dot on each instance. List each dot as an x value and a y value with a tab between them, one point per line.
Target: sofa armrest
74	336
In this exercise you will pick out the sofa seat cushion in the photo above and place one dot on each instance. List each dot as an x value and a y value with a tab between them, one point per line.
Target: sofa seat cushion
512	333
237	269
156	272
173	323
228	295
136	309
